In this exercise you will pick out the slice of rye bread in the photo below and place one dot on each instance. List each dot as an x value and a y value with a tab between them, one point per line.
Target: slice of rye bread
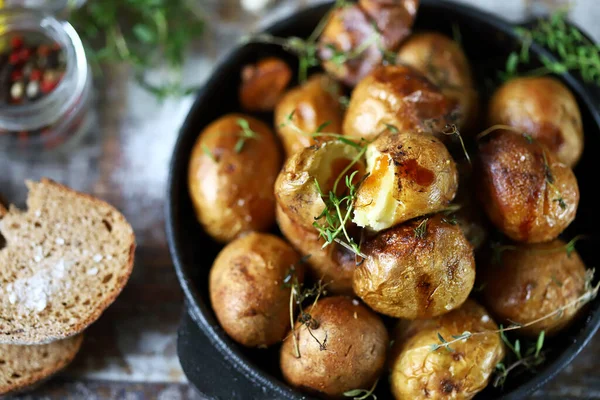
23	366
65	261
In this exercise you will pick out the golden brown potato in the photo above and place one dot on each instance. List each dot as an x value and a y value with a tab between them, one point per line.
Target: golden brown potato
419	269
263	84
534	281
311	105
545	109
394	18
418	372
350	352
222	177
348	46
334	265
526	192
295	188
400	96
444	63
411	174
247	291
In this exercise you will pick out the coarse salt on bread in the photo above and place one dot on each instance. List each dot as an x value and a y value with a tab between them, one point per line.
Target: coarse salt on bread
23	366
65	261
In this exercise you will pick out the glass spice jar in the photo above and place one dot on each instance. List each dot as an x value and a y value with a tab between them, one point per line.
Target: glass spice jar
45	83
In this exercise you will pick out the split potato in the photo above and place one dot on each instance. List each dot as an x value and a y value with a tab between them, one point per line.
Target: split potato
263	84
342	345
420	269
310	105
444	63
247	291
534	281
526	192
544	108
398	96
333	265
418	372
327	165
227	197
410	175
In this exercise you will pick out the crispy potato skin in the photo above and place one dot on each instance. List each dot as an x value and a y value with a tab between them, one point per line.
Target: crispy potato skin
347	29
263	84
417	372
394	19
425	179
247	292
444	63
544	108
355	353
333	264
401	96
312	104
295	188
534	281
226	194
515	190
406	276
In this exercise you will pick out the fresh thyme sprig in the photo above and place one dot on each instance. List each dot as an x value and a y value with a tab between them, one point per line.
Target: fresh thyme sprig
421	229
245	134
499	127
575	52
363	394
452	130
589	294
531	358
139	33
550	182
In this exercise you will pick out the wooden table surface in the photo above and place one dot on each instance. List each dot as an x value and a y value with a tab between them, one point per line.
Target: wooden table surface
130	353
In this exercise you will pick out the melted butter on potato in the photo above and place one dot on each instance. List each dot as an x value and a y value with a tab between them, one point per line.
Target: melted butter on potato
533	281
418	372
410	174
295	188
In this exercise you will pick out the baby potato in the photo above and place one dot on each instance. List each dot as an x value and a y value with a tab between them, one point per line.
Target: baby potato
525	191
263	84
420	269
295	188
534	281
545	109
341	346
311	105
444	63
222	176
247	291
418	372
400	96
394	18
347	47
410	174
334	264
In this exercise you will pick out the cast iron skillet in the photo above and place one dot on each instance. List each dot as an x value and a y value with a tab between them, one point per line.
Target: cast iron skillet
219	367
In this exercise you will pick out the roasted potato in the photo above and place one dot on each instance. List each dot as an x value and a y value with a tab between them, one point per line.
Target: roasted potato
399	96
545	109
295	188
311	105
420	269
418	372
348	47
526	192
334	264
222	177
247	291
444	63
534	281
410	174
342	346
394	19
263	84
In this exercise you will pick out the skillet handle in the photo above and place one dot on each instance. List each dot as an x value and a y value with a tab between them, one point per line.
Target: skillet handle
591	90
210	373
